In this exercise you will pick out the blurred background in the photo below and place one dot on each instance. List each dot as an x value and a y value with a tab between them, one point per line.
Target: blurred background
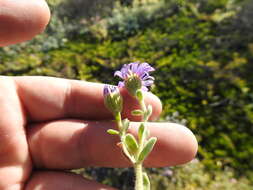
203	54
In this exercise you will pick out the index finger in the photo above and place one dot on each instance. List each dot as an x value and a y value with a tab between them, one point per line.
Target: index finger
48	98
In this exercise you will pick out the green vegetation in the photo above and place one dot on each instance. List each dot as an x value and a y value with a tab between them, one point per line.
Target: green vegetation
202	51
194	177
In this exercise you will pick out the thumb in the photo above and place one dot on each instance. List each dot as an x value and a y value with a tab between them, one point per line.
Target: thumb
21	20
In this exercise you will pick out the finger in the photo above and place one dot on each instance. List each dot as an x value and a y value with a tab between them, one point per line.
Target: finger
21	20
47	98
74	144
62	181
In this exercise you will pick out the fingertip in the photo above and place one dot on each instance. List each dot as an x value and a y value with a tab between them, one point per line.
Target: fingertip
156	105
43	16
21	20
176	145
189	150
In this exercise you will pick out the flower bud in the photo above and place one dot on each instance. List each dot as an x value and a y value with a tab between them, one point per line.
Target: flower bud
112	99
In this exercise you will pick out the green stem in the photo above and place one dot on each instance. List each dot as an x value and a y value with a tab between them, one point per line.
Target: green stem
138	166
122	134
139	176
145	119
119	121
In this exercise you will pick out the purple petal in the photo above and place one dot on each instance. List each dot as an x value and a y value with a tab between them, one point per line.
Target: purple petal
144	75
134	67
144	88
121	84
108	89
119	74
124	71
147	82
146	67
147	77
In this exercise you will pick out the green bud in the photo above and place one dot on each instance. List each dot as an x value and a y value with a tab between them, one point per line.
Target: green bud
113	100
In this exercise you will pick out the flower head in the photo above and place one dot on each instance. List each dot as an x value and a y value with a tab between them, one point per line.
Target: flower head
112	98
135	76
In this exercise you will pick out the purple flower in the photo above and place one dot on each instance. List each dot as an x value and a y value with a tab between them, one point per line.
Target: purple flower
112	98
136	76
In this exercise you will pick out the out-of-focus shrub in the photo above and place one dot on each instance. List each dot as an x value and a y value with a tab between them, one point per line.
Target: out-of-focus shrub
128	20
193	176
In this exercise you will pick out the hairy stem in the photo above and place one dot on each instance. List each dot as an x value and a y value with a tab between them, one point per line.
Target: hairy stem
119	121
138	166
139	176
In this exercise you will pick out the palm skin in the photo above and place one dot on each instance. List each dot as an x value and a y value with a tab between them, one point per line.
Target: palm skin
48	125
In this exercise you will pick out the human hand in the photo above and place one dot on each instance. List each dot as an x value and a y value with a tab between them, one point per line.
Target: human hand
49	124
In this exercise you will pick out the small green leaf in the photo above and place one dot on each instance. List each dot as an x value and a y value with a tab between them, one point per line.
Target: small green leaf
146	182
131	143
127	154
141	131
113	132
137	112
147	149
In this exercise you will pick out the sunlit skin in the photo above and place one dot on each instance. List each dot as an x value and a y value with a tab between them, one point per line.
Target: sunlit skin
48	125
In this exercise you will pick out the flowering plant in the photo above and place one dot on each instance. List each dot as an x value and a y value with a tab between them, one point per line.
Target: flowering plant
136	79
